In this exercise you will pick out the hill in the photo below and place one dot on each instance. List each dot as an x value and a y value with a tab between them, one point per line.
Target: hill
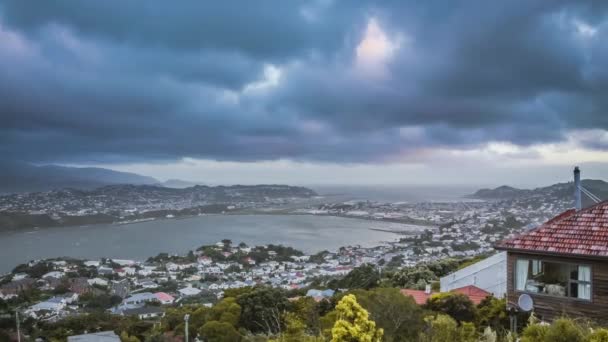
178	184
555	192
501	192
22	177
117	203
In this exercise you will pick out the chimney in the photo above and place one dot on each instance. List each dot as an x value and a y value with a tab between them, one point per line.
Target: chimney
577	189
427	289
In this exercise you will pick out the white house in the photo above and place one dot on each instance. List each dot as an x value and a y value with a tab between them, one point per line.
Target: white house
138	298
489	274
98	281
54	274
189	291
103	336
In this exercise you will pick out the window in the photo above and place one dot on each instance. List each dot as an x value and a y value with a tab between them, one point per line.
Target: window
553	278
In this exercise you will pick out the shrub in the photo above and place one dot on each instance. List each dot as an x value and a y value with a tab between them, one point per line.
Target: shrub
457	305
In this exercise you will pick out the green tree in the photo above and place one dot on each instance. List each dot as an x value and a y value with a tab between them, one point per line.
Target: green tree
398	315
362	277
215	331
308	311
414	277
492	312
457	305
565	330
227	311
125	337
440	328
353	323
599	335
262	310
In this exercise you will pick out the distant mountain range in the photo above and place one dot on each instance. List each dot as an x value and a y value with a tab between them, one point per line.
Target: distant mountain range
562	191
22	177
179	184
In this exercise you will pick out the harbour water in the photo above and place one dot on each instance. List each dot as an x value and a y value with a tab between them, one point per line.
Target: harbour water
141	240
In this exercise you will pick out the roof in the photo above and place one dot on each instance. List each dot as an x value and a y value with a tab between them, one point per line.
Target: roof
420	297
189	291
164	297
140	297
475	294
582	233
102	336
142	311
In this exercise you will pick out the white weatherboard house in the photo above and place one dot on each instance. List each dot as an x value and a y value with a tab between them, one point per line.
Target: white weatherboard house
489	274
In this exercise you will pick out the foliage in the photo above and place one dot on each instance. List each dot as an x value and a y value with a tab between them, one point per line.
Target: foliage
488	335
262	310
75	325
35	271
362	277
398	315
308	311
465	246
215	331
417	277
443	328
534	333
295	331
457	305
237	292
414	277
319	257
99	302
353	323
440	328
492	312
563	329
227	312
125	337
599	335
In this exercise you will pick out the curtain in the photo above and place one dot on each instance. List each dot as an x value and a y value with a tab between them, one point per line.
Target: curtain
536	267
584	289
521	274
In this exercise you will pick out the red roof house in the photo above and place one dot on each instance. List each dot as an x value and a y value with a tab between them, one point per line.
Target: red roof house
474	293
562	265
420	296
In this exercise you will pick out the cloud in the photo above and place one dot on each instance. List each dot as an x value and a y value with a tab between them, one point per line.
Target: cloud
309	81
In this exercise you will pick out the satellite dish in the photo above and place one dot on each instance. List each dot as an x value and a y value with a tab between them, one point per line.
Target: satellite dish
525	302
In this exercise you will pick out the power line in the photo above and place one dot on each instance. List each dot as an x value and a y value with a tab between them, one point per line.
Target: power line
589	194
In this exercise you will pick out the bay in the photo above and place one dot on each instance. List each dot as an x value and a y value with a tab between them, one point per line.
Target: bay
144	239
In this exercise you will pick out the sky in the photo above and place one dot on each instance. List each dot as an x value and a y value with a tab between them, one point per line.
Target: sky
309	92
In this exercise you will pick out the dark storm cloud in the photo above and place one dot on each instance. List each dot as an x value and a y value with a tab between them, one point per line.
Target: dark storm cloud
110	81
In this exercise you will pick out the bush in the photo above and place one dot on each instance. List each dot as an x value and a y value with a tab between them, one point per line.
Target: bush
457	305
353	323
599	335
564	330
440	328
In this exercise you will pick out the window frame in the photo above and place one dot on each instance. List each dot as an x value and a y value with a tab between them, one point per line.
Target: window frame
570	281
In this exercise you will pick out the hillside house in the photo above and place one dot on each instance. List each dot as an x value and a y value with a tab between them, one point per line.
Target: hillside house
562	265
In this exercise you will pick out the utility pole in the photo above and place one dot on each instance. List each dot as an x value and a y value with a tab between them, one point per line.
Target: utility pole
186	317
18	328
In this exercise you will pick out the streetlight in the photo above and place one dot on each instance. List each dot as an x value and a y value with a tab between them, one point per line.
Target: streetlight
186	318
18	328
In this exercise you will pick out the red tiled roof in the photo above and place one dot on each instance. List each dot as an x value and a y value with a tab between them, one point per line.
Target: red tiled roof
475	294
419	296
582	233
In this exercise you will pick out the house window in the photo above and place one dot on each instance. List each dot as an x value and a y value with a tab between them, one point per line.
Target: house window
553	278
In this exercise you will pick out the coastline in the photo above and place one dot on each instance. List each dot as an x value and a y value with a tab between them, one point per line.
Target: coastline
244	212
